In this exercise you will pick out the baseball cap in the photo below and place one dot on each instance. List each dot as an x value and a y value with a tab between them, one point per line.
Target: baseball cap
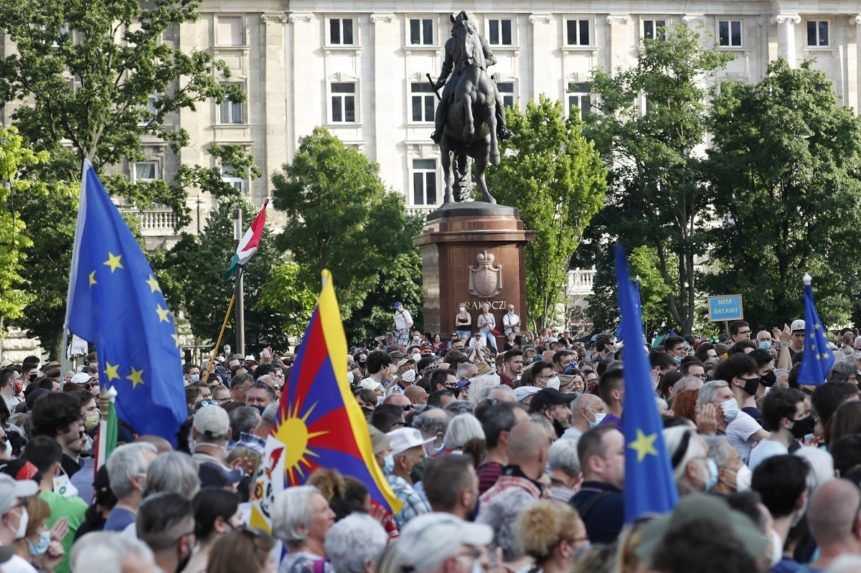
521	393
213	422
797	324
212	475
550	397
431	538
81	378
11	490
403	439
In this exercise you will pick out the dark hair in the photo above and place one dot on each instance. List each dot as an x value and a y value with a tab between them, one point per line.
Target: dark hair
445	478
703	546
241	379
592	444
703	351
438	377
671	342
6	376
780	481
54	413
778	404
736	366
610	380
762	357
737	325
513	353
828	397
43	452
247	549
386	416
209	504
455	357
435	398
350	500
496	419
660	360
747	502
263	370
159	517
536	368
243	419
740	347
560	354
688	362
846	420
846	453
377	360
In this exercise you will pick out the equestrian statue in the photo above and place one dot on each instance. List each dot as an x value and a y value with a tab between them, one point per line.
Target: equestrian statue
470	117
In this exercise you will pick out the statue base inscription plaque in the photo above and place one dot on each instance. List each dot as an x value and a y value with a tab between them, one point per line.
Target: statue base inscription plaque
472	252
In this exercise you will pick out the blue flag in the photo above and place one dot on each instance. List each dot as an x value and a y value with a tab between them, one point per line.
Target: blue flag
115	302
817	359
650	486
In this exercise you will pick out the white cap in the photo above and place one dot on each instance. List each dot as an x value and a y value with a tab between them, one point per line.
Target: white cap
81	378
212	422
431	538
403	439
11	490
797	324
369	384
521	393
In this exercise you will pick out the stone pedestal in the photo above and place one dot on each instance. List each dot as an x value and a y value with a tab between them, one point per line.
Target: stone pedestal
471	253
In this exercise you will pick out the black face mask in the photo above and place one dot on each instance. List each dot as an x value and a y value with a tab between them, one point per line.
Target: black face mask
768	379
803	427
751	385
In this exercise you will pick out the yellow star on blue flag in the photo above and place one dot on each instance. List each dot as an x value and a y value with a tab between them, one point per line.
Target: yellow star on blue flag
817	359
116	314
650	486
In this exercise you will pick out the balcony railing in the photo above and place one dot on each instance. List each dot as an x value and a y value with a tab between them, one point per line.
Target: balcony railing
421	210
580	282
157	222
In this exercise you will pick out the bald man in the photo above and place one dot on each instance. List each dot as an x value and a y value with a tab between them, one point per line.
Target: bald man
833	518
417	395
528	451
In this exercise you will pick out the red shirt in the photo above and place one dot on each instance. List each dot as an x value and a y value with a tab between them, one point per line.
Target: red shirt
488	474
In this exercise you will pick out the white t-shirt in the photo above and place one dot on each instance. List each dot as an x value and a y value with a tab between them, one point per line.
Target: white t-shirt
739	434
17	565
764	450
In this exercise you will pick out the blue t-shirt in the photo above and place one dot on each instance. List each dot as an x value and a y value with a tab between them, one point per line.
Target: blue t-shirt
118	519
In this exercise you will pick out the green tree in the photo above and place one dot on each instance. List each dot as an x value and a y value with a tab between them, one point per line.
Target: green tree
648	122
339	216
785	166
654	290
557	181
284	295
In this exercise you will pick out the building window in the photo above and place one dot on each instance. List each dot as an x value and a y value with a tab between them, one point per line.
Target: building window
577	32
423	102
579	99
499	32
234	179
231	112
145	171
506	91
343	102
817	33
341	32
424	181
729	33
150	112
654	29
421	32
229	31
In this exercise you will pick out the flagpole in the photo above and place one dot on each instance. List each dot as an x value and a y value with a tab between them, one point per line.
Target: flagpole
239	294
211	365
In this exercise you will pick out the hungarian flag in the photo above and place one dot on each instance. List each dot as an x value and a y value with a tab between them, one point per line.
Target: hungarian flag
249	241
106	440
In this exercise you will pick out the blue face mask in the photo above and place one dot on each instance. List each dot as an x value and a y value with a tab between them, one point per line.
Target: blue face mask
712	480
40	546
764	344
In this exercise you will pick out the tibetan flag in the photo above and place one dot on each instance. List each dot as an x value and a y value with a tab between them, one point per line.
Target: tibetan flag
115	302
650	486
817	359
250	240
268	481
320	423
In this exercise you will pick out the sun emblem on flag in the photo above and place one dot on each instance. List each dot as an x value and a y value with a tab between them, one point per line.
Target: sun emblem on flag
294	434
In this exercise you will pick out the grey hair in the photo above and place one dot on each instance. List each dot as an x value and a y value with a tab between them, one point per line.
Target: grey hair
501	515
291	513
563	456
270	413
502	388
696	447
126	462
707	392
355	541
243	419
172	472
105	551
459	407
720	450
461	429
432	422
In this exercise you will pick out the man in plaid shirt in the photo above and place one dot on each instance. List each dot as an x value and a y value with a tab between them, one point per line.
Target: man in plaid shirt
407	445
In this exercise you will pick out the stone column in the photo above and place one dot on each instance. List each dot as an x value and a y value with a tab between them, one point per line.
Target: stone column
786	24
619	34
275	85
543	45
301	105
853	52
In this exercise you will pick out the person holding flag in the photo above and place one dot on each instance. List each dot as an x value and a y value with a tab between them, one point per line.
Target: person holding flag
817	358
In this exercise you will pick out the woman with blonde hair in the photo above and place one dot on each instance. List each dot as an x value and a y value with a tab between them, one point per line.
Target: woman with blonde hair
551	533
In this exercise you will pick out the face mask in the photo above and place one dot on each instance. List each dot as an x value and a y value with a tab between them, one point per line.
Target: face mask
803	427
712	478
40	546
92	421
677	359
389	463
22	524
553	383
764	345
476	567
7	448
195	378
751	386
768	379
776	548
742	478
409	376
599	417
730	409
350	377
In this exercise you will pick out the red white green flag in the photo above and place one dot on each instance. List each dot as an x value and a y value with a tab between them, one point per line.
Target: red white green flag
249	241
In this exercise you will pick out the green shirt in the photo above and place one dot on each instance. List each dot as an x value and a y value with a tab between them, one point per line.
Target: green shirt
73	509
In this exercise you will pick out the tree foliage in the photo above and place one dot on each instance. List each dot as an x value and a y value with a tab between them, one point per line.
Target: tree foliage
648	122
339	216
786	171
557	181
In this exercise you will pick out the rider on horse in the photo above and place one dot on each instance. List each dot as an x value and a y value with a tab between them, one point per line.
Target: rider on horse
458	61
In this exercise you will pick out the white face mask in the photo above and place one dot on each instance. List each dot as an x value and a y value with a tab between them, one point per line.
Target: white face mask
7	449
742	478
22	524
553	383
730	409
416	357
776	548
409	376
599	417
350	377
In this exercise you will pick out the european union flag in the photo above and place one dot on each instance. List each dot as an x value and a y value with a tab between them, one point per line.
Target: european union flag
115	302
649	483
817	359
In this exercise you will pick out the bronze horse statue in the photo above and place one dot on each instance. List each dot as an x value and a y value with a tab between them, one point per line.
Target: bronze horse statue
470	123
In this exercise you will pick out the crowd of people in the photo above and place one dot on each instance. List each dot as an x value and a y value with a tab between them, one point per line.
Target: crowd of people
510	461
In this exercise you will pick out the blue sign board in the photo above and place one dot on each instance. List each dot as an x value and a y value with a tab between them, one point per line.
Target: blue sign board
725	307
